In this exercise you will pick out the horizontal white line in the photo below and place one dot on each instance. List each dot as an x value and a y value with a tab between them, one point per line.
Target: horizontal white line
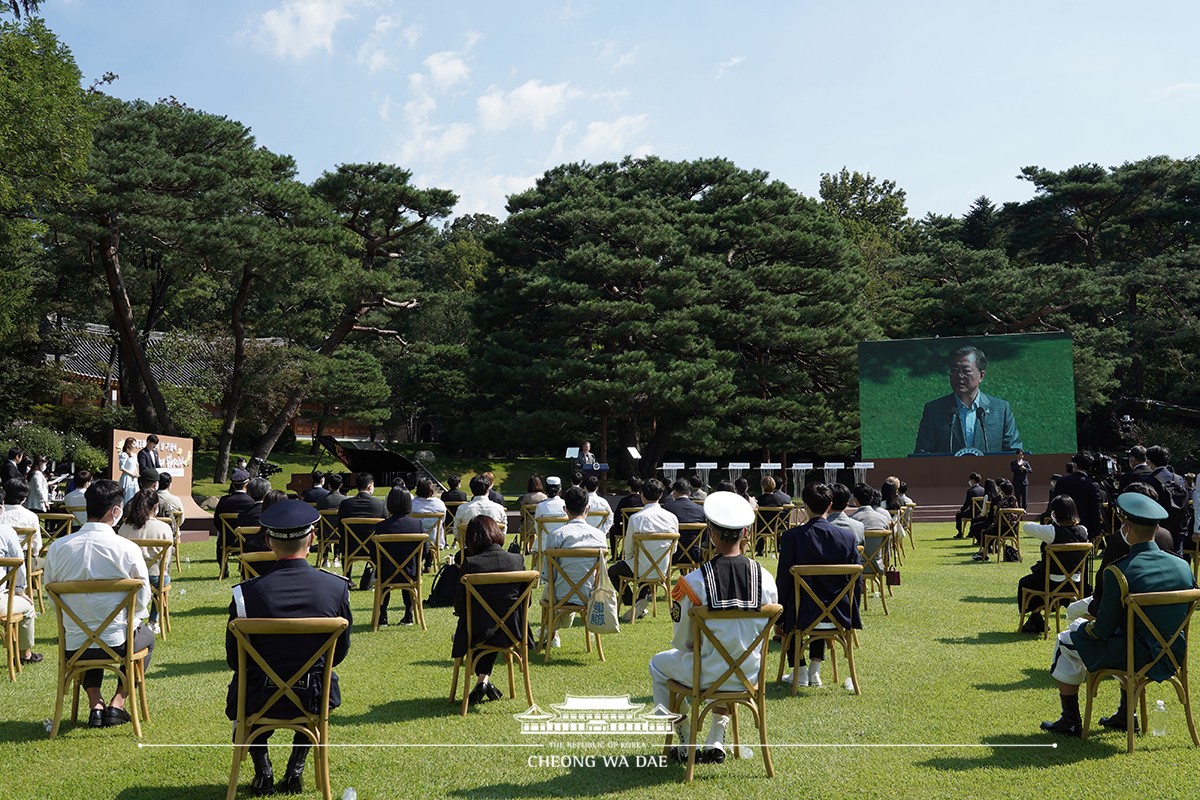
1051	745
281	743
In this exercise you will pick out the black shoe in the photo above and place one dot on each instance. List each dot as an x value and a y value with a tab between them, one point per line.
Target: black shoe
292	781
407	619
679	753
493	693
1064	727
1119	722
1035	624
96	718
478	695
264	776
959	536
711	755
383	620
114	716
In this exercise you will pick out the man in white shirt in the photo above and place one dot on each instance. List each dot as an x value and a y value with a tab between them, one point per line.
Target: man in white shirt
600	513
739	583
96	552
480	504
74	501
16	492
837	513
576	533
10	547
553	505
653	518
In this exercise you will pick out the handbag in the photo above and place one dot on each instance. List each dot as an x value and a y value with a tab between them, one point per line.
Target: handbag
893	577
602	605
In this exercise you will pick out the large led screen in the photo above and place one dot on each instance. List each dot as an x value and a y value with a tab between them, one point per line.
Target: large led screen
967	395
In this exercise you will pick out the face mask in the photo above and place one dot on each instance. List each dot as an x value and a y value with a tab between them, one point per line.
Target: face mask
1124	535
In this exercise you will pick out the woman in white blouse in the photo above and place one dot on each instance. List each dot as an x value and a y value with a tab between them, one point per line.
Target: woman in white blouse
140	523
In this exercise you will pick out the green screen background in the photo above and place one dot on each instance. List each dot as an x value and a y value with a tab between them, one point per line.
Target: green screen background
1032	371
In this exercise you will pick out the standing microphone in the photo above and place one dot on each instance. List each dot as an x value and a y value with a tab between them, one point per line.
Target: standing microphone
950	441
979	415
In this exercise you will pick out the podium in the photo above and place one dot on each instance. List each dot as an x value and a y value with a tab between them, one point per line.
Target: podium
600	471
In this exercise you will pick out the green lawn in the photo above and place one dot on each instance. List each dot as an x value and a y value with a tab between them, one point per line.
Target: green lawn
944	679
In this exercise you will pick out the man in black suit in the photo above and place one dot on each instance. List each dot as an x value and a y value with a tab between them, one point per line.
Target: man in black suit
12	467
686	510
147	457
334	497
318	490
973	490
363	504
1139	470
454	494
1020	472
235	502
292	589
1087	494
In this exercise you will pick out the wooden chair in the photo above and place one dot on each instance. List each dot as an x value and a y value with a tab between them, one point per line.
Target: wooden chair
435	530
897	549
451	510
744	669
328	533
769	523
597	519
874	579
650	568
1063	582
175	520
158	551
356	541
825	625
687	563
79	513
129	668
544	526
235	546
625	513
256	564
1191	551
226	525
1134	678
312	724
575	599
34	574
1007	531
906	515
12	619
511	622
54	526
390	574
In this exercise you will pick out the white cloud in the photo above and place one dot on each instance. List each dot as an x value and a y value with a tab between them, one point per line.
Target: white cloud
446	69
610	53
560	142
606	139
426	142
478	191
532	103
728	64
1181	88
376	51
298	27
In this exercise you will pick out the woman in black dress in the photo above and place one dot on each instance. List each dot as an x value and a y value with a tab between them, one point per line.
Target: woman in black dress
1064	529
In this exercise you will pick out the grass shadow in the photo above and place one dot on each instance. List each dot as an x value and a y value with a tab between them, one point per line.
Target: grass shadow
180	669
412	708
209	790
984	637
200	611
11	731
1065	750
578	783
974	598
1035	678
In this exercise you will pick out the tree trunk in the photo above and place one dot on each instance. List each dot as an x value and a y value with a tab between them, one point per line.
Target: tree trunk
148	402
236	388
656	448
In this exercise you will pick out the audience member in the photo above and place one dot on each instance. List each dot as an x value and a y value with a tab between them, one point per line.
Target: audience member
1079	486
454	494
317	491
257	488
687	511
399	506
869	512
653	518
837	513
16	492
965	513
479	504
333	499
575	534
1064	528
235	502
770	498
139	523
22	604
426	503
12	467
74	501
600	513
631	500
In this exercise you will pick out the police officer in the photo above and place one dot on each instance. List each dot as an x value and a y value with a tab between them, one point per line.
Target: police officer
292	588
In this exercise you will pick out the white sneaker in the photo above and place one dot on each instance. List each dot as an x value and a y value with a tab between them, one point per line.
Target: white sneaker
801	677
814	679
643	607
555	641
155	628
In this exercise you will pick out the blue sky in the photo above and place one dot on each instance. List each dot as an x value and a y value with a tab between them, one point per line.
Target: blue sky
948	99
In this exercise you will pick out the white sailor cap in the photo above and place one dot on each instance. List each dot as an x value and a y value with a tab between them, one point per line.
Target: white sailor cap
728	510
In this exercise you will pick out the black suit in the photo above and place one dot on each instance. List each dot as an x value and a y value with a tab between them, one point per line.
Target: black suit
1020	471
398	551
146	459
292	589
687	511
9	470
232	503
965	511
361	505
315	495
816	542
1089	500
499	597
331	500
1139	474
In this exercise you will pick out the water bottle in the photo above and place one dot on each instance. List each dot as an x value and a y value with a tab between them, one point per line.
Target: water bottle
1158	719
349	794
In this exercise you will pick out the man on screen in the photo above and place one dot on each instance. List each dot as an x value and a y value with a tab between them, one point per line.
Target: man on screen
967	421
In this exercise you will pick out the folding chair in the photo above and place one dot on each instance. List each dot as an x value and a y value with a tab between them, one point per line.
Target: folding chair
651	567
874	579
434	525
256	564
626	513
906	515
356	541
1006	532
129	668
12	619
597	518
33	574
575	599
744	670
312	724
158	551
1134	678
511	623
686	563
391	561
825	625
226	525
1063	582
769	523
